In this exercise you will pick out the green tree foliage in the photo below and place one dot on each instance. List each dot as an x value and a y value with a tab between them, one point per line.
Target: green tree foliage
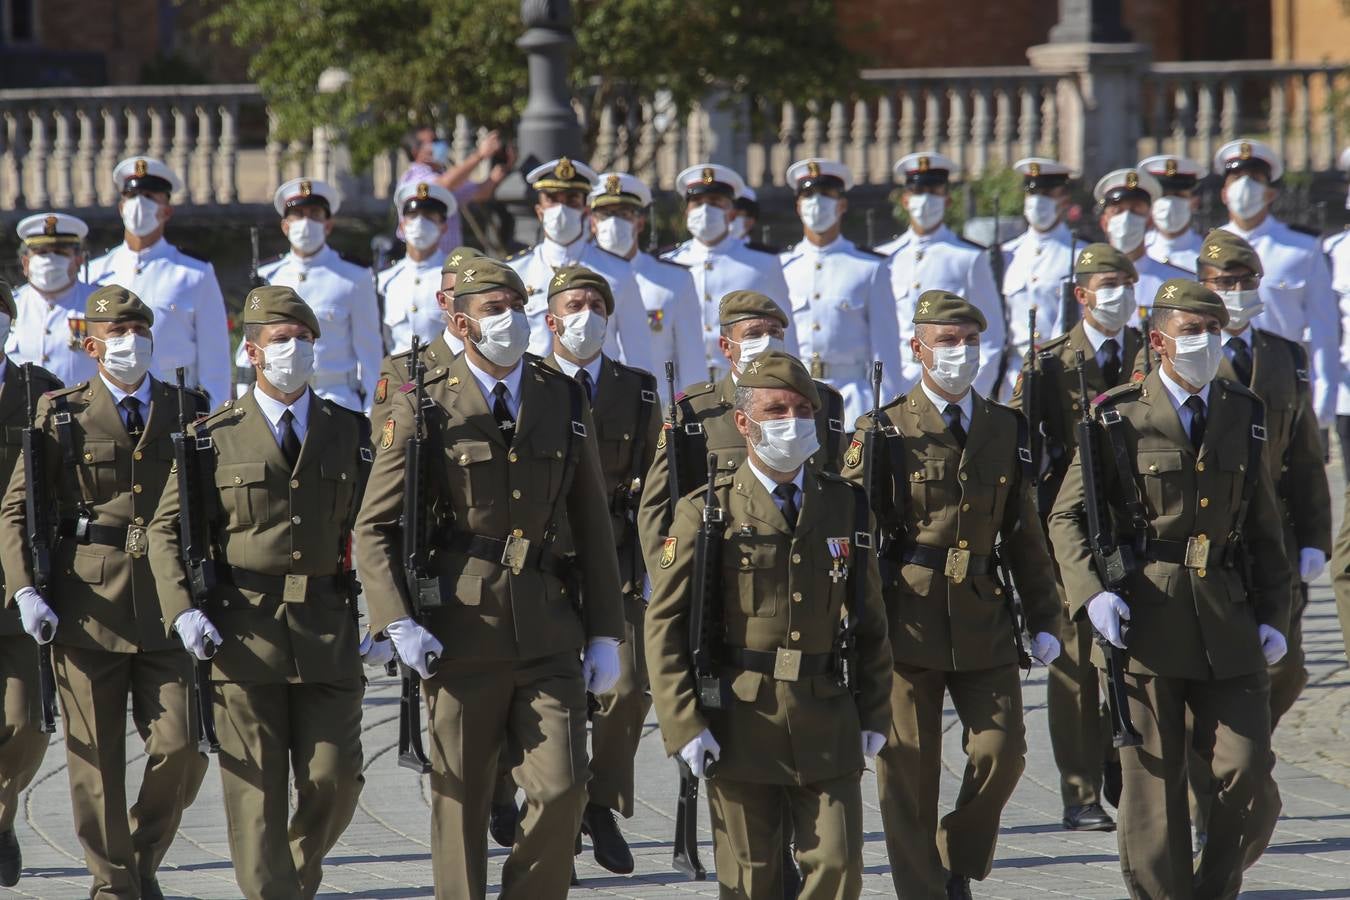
429	60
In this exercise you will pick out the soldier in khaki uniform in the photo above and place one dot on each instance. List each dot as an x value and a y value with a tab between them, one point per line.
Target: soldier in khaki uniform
960	467
281	486
1200	634
434	355
1079	736
22	741
790	733
108	453
516	467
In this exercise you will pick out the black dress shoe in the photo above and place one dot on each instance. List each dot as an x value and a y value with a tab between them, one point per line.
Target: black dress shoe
1090	817
792	879
1111	782
502	824
11	860
607	843
150	889
958	887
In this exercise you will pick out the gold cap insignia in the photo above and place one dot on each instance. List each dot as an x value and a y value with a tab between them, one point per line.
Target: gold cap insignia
468	275
1034	169
102	305
924	307
306	188
423	192
565	170
456	259
754	368
708	175
1086	258
1170	292
141	168
49	226
923	164
1171	167
1212	251
1132	181
1245	151
255	303
612	184
559	279
668	552
813	169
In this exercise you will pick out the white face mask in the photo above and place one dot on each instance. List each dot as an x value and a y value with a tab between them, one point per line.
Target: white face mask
740	227
288	364
819	213
707	223
954	368
306	235
1246	197
615	235
505	337
562	224
1114	307
1171	214
421	232
1125	231
49	272
756	346
140	215
583	333
127	356
1197	358
1042	212
926	210
1243	306
785	444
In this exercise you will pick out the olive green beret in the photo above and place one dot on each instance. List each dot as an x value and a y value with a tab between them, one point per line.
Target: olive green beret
457	258
1225	250
483	274
113	302
1097	258
741	305
7	301
273	302
776	369
571	277
1190	296
946	308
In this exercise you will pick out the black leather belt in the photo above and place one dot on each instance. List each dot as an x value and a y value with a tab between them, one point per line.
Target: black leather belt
1184	553
936	558
109	535
765	661
293	588
495	551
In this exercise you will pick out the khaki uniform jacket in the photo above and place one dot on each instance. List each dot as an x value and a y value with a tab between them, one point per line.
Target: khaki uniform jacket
104	597
776	592
272	520
708	406
13	418
1184	622
625	405
394	372
479	485
972	499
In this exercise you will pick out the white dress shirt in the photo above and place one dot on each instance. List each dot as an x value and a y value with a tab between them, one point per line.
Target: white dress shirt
452	341
966	404
1179	395
142	393
272	410
488	383
769	484
570	369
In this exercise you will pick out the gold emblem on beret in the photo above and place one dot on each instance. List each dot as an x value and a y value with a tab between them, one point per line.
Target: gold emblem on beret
559	279
255	302
853	458
142	167
387	434
612	184
668	552
1034	169
1170	292
102	304
1171	167
923	164
468	275
306	188
1086	258
565	170
708	175
754	368
1132	181
456	259
813	169
924	306
1212	251
49	226
423	192
1245	151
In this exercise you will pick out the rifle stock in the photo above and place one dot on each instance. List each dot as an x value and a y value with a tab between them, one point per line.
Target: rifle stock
39	532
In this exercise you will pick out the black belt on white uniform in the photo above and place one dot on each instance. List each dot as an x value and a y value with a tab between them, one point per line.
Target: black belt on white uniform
109	535
936	558
494	549
763	661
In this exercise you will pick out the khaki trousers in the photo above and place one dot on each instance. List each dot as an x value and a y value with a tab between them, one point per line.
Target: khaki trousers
22	743
922	851
267	732
121	846
1080	736
747	824
536	709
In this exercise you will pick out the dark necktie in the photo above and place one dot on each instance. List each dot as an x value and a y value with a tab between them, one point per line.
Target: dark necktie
953	416
1240	355
135	424
1197	408
587	384
502	413
1109	354
290	444
787	495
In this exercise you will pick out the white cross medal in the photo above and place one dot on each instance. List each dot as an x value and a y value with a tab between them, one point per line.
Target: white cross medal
839	550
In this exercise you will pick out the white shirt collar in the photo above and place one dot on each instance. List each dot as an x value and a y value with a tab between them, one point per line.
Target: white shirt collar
1267	224
557	255
834	246
273	409
1097	338
142	392
937	234
1178	394
434	261
321	257
156	250
769	483
592	368
453	341
1057	235
966	404
486	382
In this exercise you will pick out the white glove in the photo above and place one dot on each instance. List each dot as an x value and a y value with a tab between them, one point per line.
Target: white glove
195	628
34	613
1311	562
1045	647
375	653
1105	610
1273	644
872	744
600	665
696	752
414	643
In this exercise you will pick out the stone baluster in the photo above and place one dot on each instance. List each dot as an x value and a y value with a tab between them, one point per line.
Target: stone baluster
1279	125
857	155
782	156
1003	126
1050	122
1228	116
909	125
159	141
461	139
1305	119
109	153
606	140
644	164
836	129
86	184
297	159
38	148
13	149
958	121
1181	119
933	125
320	156
695	134
810	133
1029	124
180	148
273	153
135	130
226	159
1204	119
204	176
62	154
1157	106
980	131
879	169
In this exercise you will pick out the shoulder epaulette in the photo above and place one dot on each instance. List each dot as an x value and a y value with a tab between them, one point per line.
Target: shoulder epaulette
871	252
762	248
1119	392
670	249
968	242
226	409
697	390
724	479
669	262
1053	343
1305	229
1238	388
352	261
69	389
524	251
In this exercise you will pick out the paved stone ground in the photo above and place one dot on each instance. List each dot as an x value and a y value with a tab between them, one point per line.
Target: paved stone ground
386	851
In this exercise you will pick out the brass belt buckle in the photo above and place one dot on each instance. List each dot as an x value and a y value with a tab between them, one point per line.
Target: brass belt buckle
787	664
135	545
958	563
1197	552
295	589
513	554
